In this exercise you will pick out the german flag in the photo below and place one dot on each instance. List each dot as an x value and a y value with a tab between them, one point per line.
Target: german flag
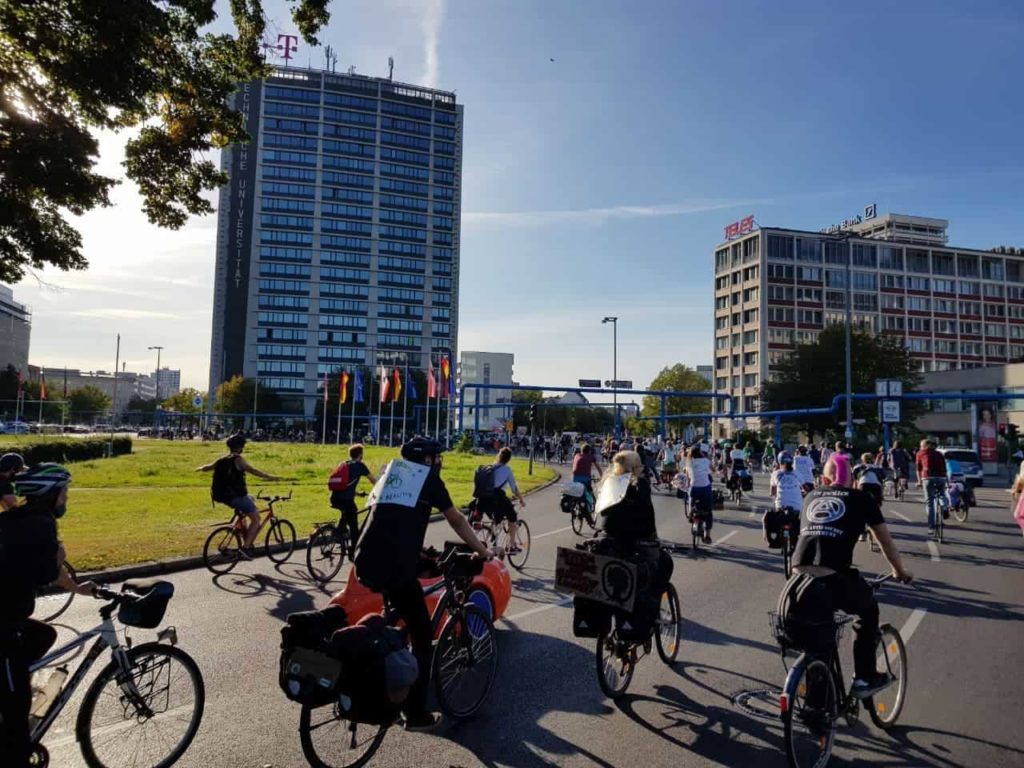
343	387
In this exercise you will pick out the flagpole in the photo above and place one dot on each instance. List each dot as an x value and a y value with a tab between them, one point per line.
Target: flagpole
405	403
391	425
437	405
42	390
323	438
380	407
352	424
337	431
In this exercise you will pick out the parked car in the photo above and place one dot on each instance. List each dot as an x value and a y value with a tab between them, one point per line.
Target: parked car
969	462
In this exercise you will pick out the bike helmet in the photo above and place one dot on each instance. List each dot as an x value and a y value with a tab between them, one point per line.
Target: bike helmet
785	458
417	449
41	480
11	462
236	442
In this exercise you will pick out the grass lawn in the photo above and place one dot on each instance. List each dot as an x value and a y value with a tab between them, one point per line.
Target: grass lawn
152	504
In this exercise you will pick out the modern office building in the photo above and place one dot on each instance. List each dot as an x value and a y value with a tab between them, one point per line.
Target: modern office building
128	384
708	372
168	382
486	368
15	330
338	234
775	287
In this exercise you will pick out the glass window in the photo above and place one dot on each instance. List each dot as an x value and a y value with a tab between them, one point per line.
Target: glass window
943	264
836	253
918	283
968	288
863	255
890	257
780	248
967	266
865	281
917	261
808	249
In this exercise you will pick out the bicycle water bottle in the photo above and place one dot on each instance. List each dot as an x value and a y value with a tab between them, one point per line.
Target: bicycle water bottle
41	698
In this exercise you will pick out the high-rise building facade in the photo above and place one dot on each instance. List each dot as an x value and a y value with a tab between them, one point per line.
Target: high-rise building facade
774	288
338	234
168	382
486	368
15	330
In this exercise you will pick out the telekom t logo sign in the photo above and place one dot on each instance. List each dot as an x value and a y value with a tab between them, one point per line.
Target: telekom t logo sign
286	44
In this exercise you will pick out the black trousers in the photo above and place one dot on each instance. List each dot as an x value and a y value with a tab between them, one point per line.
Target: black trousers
852	595
407	600
20	645
350	520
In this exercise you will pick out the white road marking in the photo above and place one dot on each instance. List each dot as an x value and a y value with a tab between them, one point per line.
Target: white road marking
912	623
753	513
552	533
538	609
934	549
724	538
900	515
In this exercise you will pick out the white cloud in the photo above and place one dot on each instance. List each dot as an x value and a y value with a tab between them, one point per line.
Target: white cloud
430	23
600	215
113	313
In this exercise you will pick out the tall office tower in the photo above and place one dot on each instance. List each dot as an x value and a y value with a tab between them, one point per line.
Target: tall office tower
338	234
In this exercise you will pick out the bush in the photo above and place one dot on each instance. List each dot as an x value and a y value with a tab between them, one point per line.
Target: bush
68	451
465	443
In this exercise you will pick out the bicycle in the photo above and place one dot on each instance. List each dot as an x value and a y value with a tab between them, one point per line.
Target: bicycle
130	706
815	695
617	656
328	545
960	510
466	645
790	534
223	548
52	600
581	509
494	535
941	513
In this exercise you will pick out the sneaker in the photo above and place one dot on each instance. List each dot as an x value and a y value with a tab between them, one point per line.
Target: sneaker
945	514
422	722
864	688
707	538
931	531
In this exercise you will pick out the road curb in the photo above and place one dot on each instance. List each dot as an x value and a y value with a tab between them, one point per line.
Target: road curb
188	562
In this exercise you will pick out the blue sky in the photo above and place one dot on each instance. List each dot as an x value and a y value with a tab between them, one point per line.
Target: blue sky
599	183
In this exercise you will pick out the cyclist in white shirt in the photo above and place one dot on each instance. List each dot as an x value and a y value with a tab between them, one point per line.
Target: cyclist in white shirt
803	465
785	485
698	470
737	460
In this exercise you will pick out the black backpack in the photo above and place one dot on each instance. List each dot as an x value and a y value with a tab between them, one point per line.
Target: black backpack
483	482
806	613
224	487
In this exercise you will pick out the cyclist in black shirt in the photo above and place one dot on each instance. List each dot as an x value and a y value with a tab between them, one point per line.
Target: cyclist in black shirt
10	465
387	555
345	499
833	519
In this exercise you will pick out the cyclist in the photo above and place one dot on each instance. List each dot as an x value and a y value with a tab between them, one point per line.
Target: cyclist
785	485
500	507
583	465
869	477
632	519
837	468
345	499
31	556
900	461
931	470
737	459
834	518
667	457
804	467
768	457
10	465
387	556
228	487
698	469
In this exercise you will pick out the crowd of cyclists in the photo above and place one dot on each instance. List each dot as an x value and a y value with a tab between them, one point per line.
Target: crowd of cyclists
840	497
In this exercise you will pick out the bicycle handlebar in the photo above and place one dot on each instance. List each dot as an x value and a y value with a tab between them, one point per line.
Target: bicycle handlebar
274	499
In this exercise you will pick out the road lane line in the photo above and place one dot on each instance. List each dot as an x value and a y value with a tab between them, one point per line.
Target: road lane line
538	609
912	623
934	549
901	515
552	533
753	513
723	539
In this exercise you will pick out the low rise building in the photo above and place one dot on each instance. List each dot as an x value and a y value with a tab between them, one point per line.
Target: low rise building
15	330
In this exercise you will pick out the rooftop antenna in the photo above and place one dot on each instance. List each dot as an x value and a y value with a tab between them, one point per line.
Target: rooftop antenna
352	69
332	58
391	67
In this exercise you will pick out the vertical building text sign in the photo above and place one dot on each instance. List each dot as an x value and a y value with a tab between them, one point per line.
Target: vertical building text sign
741	227
243	191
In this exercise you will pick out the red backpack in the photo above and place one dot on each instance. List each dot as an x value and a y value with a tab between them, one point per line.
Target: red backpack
340	479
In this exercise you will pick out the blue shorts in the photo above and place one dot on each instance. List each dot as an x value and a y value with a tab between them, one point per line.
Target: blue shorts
244	505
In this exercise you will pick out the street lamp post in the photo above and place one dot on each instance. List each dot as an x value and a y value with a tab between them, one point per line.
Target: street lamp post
156	396
615	368
843	238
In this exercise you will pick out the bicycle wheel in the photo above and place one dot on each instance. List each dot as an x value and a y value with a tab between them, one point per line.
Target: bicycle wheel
51	600
696	533
809	722
615	664
330	741
148	716
220	552
280	540
886	705
518	559
669	629
960	512
465	663
577	521
325	553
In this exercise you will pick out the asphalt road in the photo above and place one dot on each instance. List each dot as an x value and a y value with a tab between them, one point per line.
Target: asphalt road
963	623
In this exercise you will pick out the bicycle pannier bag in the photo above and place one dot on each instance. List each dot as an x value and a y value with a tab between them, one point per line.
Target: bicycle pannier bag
719	499
148	610
372	685
771	524
308	674
483	482
590	618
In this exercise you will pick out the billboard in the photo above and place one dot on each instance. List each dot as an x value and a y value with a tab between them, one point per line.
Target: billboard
984	429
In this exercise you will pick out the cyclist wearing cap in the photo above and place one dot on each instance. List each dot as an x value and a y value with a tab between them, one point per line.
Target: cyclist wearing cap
31	557
785	484
10	465
228	487
386	561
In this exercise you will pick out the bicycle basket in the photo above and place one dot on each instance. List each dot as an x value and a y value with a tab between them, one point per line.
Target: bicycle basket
145	611
464	567
807	635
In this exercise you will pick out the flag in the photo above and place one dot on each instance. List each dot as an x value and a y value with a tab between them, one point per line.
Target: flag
446	371
431	381
42	386
326	390
385	386
396	385
451	385
410	382
343	388
358	388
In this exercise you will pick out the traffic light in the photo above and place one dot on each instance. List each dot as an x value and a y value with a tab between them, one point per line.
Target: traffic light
533	412
1012	431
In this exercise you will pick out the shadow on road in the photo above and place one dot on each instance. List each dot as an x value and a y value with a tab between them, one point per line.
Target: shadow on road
291	595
